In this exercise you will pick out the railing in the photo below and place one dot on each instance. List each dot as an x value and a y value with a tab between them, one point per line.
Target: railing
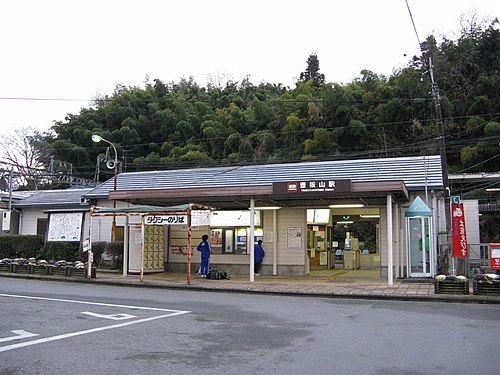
479	258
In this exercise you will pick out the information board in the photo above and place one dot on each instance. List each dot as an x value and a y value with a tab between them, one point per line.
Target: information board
65	226
294	237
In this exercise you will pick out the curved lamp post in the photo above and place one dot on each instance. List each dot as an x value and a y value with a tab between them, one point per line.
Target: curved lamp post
97	138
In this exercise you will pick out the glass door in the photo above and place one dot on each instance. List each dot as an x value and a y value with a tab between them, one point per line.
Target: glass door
420	252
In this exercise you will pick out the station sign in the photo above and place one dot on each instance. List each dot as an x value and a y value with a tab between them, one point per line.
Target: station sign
312	186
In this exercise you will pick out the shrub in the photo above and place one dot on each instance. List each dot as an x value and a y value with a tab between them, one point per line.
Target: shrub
115	250
20	246
98	248
68	251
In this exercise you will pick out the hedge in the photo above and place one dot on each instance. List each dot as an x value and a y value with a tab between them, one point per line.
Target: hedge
20	246
69	251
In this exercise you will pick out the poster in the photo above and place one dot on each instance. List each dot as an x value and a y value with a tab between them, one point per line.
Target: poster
294	237
323	258
216	238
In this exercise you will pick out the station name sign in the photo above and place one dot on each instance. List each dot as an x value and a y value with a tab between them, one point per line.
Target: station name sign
312	186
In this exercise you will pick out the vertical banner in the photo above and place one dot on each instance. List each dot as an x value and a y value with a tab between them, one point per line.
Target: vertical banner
458	231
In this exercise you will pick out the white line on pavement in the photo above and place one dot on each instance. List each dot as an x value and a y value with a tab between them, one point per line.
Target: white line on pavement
93	330
19	334
90	303
79	333
109	316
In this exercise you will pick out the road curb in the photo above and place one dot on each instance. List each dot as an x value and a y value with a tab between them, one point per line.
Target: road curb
296	293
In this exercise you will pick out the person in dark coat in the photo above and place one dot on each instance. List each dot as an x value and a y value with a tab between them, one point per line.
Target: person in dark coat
205	249
258	255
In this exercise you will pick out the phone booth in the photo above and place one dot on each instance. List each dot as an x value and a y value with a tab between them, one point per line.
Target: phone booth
419	238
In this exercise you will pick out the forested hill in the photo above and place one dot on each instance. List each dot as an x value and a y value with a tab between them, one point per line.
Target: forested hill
176	125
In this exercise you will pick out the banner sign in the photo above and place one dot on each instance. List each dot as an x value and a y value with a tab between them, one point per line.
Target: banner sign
166	220
495	256
458	231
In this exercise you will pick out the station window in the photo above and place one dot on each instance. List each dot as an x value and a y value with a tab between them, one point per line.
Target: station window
232	240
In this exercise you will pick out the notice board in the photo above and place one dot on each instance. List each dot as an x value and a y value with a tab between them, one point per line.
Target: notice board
65	226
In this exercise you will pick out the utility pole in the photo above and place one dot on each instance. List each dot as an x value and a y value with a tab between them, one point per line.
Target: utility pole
442	151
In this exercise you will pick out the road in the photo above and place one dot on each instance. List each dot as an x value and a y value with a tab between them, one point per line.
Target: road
71	328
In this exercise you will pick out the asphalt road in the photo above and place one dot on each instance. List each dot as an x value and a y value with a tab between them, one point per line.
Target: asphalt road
64	328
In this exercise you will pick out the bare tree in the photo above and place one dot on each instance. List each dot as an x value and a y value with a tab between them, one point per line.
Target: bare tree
22	153
219	80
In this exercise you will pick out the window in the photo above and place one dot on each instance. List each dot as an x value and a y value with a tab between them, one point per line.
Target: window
232	240
41	227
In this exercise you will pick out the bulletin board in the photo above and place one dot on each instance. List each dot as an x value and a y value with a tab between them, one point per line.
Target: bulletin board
65	226
294	237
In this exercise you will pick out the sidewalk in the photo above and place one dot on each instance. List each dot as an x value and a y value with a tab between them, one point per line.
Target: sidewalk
313	286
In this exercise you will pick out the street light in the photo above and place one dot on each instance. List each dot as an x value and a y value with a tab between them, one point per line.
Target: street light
97	138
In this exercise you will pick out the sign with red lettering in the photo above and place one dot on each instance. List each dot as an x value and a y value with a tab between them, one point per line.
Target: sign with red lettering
495	256
458	231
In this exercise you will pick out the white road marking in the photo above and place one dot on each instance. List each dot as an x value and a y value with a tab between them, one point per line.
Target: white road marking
89	303
112	316
93	330
19	334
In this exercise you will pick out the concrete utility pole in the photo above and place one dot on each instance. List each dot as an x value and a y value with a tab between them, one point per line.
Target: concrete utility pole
442	151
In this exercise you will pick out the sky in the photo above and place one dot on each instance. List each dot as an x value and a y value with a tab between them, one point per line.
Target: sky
57	55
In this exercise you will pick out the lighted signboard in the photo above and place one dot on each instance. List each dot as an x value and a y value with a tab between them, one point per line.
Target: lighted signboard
329	186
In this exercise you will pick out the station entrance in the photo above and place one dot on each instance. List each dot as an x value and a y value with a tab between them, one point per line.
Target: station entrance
343	238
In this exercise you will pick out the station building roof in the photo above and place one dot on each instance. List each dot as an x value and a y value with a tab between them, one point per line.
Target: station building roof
231	185
54	199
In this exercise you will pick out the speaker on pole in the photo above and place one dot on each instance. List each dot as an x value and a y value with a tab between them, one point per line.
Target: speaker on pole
110	164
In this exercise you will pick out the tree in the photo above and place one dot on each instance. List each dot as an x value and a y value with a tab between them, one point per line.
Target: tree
24	153
312	71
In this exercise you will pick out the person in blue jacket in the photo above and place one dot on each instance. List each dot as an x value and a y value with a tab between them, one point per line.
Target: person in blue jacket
205	249
258	256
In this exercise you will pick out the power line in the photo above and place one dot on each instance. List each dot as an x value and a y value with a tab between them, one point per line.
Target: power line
413	23
45	99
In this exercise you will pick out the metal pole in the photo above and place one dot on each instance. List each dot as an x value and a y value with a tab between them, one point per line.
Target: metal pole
275	244
250	242
89	255
126	246
10	190
113	224
390	280
442	151
141	278
98	138
396	253
190	236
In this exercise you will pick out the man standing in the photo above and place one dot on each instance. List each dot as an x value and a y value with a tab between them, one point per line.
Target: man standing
205	249
258	256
